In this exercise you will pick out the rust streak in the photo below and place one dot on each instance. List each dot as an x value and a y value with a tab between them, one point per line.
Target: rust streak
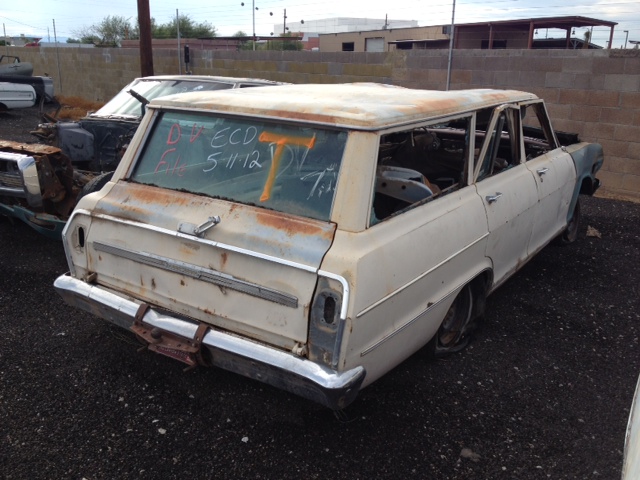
142	194
189	249
290	225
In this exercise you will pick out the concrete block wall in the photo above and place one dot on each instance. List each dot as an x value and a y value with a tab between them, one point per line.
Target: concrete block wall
595	93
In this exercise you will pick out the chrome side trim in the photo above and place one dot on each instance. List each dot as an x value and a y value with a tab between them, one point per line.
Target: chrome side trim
173	233
407	324
345	291
421	276
29	172
200	273
278	368
343	315
417	317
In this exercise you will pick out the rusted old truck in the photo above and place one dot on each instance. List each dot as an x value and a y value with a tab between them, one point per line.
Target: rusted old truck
40	185
314	236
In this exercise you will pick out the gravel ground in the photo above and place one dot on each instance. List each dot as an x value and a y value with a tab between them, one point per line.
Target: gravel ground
543	391
16	124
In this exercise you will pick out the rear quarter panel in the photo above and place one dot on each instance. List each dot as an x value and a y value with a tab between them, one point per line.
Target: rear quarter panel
588	159
404	274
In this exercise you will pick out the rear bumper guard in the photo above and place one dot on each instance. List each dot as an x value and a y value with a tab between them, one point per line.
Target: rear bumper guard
280	369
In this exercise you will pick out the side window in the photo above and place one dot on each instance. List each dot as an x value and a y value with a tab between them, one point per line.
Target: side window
538	134
418	165
501	144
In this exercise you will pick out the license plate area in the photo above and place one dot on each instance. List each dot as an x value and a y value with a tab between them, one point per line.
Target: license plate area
169	344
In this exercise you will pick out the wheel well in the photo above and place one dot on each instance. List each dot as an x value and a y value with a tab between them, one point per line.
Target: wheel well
586	187
480	286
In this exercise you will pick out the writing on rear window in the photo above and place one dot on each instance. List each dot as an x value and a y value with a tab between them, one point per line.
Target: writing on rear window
288	168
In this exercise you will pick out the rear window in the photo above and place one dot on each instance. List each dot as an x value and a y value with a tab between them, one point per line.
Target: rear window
288	168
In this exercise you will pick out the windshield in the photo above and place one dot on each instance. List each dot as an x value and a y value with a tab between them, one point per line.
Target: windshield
124	104
289	168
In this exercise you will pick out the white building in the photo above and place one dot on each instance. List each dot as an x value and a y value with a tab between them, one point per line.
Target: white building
341	24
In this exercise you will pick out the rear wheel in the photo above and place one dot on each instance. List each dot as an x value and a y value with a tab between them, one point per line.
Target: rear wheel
451	336
94	185
570	233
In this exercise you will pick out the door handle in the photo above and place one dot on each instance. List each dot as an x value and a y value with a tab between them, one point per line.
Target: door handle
198	230
493	198
542	171
208	223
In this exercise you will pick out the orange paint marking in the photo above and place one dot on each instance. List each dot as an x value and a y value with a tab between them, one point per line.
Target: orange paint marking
281	141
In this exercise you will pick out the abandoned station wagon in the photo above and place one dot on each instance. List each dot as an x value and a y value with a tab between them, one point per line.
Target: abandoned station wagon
314	236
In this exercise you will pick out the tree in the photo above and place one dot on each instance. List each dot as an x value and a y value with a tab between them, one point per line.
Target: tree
110	31
188	29
291	44
285	43
244	45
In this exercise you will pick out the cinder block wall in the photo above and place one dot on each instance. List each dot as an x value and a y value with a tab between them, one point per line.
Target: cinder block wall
595	93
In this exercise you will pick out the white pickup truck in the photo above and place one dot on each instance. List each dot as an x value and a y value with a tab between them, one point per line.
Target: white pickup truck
15	95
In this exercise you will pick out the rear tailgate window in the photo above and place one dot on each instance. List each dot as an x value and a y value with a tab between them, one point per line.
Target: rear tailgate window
287	168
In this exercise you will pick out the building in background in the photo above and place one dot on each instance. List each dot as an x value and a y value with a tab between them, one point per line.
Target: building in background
507	34
341	24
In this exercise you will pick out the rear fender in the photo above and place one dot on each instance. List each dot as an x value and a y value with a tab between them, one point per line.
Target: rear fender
588	159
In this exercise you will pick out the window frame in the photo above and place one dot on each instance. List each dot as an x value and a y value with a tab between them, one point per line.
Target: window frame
468	158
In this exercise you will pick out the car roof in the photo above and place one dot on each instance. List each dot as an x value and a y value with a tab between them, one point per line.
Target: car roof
364	106
213	78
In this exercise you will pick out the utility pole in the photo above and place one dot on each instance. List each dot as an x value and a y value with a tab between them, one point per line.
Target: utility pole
451	33
55	38
146	54
284	25
626	38
6	42
178	30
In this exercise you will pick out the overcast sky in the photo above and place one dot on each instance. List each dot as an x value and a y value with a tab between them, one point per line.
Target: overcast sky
36	17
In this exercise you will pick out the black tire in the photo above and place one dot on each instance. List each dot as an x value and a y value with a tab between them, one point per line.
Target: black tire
570	234
451	336
95	184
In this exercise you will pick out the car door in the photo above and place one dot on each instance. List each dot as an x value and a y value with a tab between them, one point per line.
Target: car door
554	173
508	191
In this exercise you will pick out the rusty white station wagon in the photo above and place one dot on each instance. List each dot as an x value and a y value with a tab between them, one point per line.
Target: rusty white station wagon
313	237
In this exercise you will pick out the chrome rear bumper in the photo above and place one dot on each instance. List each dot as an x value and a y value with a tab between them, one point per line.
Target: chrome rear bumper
278	368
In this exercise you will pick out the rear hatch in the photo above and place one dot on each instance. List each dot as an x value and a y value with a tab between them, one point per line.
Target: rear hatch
223	221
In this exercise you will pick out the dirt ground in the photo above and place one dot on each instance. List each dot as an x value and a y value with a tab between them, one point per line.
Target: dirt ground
543	391
16	124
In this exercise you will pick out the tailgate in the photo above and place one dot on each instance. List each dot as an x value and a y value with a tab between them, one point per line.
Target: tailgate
253	273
